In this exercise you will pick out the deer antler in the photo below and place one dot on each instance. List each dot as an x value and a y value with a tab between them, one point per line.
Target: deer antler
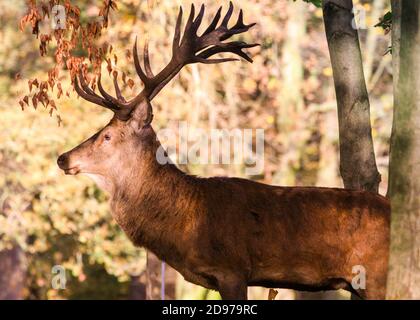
189	49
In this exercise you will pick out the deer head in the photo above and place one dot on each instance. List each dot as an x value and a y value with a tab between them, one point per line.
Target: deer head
129	137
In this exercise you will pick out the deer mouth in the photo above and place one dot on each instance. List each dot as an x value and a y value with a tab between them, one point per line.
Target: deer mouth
71	171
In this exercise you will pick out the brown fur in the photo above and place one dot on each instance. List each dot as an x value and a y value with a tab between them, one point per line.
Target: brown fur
230	233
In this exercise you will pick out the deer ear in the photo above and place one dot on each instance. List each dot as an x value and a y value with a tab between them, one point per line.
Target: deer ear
142	115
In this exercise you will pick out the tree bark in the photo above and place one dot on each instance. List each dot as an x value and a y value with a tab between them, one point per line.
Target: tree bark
396	38
371	39
137	290
13	274
154	279
357	157
404	180
290	99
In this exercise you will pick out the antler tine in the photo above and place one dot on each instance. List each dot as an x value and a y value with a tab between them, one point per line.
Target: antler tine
86	96
146	59
106	95
197	21
188	24
120	97
233	47
84	85
177	33
240	21
214	22
238	28
226	19
147	78
214	61
140	72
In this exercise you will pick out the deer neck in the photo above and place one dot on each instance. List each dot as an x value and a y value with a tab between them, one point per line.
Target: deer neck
155	205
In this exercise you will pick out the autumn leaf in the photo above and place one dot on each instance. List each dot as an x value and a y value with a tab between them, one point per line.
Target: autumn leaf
60	90
52	104
35	102
130	83
128	54
109	66
59	120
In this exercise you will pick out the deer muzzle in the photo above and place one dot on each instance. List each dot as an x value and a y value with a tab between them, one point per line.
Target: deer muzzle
64	164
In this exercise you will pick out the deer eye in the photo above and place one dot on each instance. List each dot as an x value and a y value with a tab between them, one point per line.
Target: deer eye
107	137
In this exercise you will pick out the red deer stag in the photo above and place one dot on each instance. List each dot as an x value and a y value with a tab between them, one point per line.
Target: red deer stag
226	233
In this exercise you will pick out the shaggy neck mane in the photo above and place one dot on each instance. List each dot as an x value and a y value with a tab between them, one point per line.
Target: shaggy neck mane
156	204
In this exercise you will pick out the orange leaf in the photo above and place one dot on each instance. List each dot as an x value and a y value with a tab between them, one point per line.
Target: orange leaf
128	54
109	66
130	83
60	90
35	102
59	121
52	104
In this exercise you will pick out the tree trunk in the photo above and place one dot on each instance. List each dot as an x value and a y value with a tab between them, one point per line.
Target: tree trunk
371	39
404	180
290	99
396	38
13	274
154	279
357	158
137	290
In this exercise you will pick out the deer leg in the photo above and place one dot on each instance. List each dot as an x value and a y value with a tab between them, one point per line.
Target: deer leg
233	288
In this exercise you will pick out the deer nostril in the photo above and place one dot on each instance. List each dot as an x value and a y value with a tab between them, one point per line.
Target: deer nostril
61	160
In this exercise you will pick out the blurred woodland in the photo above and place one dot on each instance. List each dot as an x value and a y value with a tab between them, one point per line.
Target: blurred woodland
49	219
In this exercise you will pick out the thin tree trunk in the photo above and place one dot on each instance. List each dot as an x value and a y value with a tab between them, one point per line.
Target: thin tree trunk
154	277
290	101
396	38
13	266
137	289
13	274
357	158
404	180
371	39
